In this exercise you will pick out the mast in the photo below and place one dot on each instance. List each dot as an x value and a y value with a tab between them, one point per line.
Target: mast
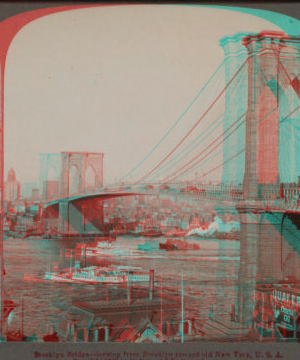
71	261
161	310
49	262
22	328
182	308
1	220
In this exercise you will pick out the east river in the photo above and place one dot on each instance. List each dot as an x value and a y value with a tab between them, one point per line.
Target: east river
209	277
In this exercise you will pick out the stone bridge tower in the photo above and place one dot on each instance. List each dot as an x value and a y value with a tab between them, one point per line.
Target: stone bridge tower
270	96
80	161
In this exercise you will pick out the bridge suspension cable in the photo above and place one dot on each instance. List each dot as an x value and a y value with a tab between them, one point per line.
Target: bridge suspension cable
240	152
223	163
187	171
263	118
212	143
155	173
195	125
166	166
239	79
186	148
175	124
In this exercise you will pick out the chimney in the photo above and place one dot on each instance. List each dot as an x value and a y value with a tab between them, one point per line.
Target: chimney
151	284
130	272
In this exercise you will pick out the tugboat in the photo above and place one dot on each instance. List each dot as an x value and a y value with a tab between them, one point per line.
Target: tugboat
152	232
176	233
167	247
174	244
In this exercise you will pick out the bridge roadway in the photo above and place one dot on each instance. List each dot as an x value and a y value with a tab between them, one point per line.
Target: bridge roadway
271	199
222	198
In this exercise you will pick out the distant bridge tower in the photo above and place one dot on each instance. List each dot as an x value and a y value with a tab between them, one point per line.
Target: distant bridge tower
70	172
269	94
80	163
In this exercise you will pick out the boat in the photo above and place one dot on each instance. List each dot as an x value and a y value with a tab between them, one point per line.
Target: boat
51	338
175	244
167	247
149	245
91	275
100	244
108	244
101	248
132	233
15	335
102	251
152	232
8	307
176	233
32	337
18	335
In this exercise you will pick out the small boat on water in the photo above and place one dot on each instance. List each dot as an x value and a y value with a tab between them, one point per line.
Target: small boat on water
177	244
100	245
149	245
152	232
167	247
17	336
14	335
8	307
176	233
51	338
132	233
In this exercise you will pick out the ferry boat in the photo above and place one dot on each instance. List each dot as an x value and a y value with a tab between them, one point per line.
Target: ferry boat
102	249
108	244
91	275
107	247
96	248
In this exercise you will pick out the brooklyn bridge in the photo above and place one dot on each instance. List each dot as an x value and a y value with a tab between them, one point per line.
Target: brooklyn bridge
249	132
257	110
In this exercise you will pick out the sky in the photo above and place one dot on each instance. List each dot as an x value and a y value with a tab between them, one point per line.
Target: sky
111	80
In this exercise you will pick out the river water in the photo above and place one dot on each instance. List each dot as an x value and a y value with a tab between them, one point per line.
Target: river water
209	277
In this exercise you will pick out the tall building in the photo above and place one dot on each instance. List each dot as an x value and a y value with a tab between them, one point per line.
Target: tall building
11	187
27	188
